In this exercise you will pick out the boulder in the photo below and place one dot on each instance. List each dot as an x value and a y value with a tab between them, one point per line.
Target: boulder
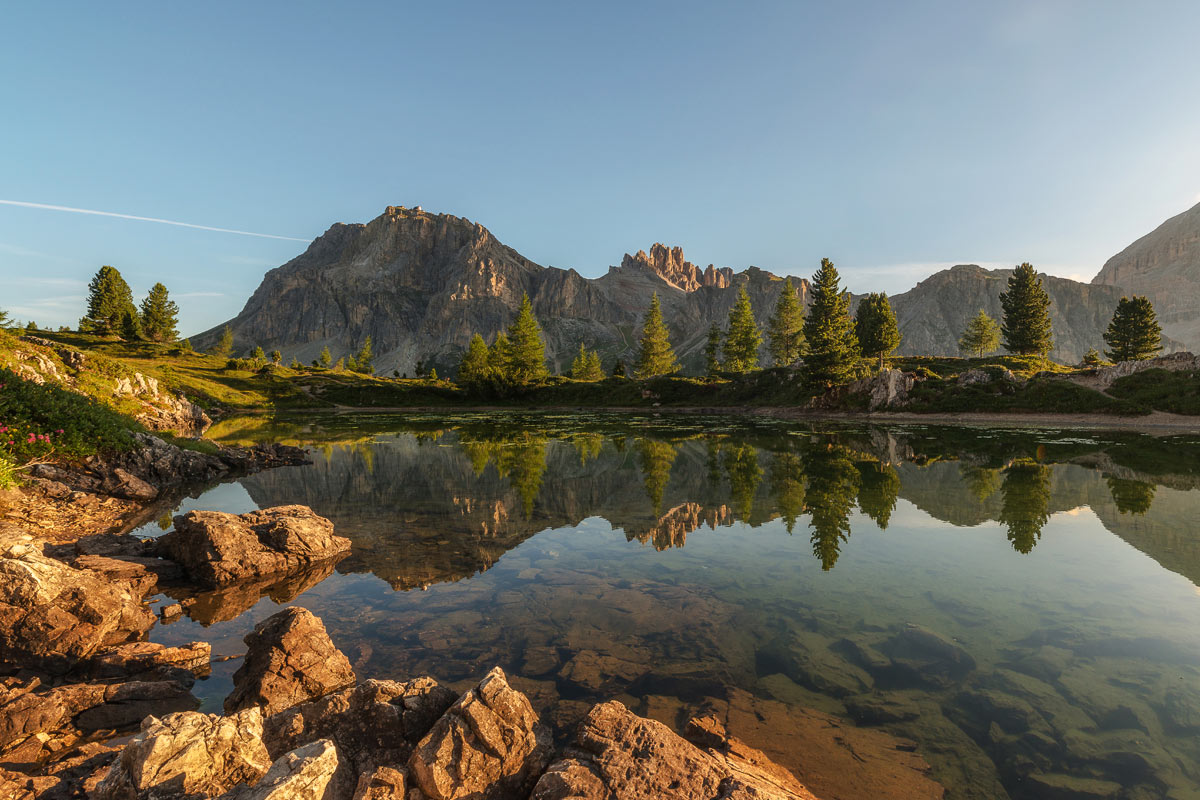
489	745
383	783
887	388
618	755
53	615
377	723
302	774
289	659
189	753
216	548
141	659
922	656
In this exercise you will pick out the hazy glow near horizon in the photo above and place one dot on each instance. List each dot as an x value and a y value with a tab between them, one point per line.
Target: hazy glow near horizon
892	138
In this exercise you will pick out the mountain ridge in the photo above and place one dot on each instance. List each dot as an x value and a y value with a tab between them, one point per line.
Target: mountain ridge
420	284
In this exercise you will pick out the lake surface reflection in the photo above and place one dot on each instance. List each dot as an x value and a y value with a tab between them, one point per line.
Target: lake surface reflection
1020	604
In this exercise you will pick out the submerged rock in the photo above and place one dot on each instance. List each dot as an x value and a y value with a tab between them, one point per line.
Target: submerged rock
487	746
216	548
290	659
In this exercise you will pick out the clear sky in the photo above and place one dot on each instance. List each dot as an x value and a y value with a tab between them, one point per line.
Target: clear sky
893	137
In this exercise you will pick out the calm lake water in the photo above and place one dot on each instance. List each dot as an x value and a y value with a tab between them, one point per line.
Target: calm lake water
1020	604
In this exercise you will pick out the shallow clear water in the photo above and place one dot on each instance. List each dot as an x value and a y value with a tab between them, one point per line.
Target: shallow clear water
1019	604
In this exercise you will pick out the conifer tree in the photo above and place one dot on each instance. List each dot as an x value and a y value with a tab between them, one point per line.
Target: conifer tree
832	347
325	359
160	315
186	345
224	345
474	365
981	337
131	325
1026	326
875	326
526	349
1092	358
364	358
655	356
499	357
618	370
276	357
785	329
594	370
4	320
580	363
712	351
258	356
742	337
108	300
1134	333
586	366
295	363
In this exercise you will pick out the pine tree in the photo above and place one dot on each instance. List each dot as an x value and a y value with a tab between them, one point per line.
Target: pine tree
326	358
295	363
595	370
829	331
4	320
527	350
474	365
1092	358
108	300
131	325
365	357
258	356
186	345
785	329
742	337
433	374
580	362
1134	333
655	356
276	357
1026	305
712	351
981	337
160	315
875	326
586	366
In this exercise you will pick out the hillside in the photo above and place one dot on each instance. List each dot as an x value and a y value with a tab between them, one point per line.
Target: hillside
1164	265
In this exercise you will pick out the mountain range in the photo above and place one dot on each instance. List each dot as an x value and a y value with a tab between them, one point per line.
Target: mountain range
420	284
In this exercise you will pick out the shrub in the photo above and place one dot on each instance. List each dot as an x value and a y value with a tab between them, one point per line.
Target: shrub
37	421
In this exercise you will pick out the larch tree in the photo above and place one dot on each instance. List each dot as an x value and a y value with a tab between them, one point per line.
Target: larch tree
832	347
876	328
108	300
742	337
474	365
1026	326
785	329
365	357
500	356
982	335
160	315
527	349
655	356
1134	333
586	366
324	360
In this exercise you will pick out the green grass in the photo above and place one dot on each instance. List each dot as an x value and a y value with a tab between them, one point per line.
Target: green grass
947	367
1177	392
1040	395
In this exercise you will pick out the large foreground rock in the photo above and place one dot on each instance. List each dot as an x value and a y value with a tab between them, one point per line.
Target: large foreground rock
620	756
488	746
216	548
53	615
290	659
303	774
189	753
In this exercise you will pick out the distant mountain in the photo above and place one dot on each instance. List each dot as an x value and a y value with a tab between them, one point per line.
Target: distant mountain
1164	265
421	284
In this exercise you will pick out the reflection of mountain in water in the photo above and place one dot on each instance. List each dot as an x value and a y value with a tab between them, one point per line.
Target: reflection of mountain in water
432	507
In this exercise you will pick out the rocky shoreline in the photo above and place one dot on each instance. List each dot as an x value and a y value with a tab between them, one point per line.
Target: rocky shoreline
77	674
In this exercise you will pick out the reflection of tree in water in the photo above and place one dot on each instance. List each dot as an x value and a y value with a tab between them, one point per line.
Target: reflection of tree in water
880	486
521	458
744	474
1026	505
588	445
832	488
1130	496
981	482
712	447
656	458
786	476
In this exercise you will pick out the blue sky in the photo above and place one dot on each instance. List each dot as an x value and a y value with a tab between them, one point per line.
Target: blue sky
893	137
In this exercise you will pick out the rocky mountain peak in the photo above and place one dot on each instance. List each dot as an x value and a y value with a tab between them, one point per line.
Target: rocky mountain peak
669	264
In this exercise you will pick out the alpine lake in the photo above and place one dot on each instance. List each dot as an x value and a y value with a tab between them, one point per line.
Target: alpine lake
1020	606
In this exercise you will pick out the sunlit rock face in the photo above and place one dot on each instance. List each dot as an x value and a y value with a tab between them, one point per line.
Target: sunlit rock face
1164	265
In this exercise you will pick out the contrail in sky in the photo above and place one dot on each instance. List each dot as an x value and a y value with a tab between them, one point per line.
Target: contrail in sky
46	207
